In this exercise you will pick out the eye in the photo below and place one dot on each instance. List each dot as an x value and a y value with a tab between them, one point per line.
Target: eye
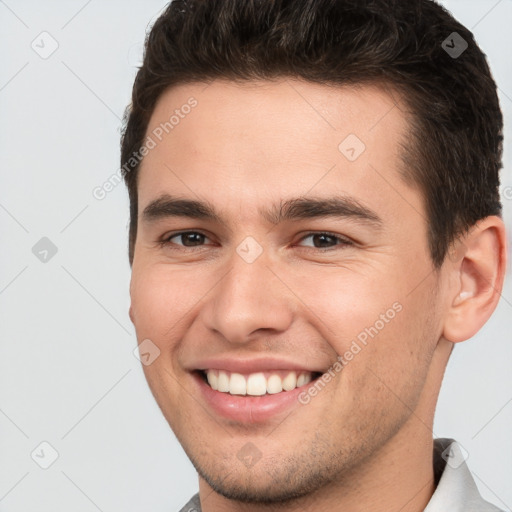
188	239
321	239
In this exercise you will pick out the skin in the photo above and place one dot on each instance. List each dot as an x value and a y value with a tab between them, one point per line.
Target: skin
365	441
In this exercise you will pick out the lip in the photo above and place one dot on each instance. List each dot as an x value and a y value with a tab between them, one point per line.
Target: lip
248	409
253	365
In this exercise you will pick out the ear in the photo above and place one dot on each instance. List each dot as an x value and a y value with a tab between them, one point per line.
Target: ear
477	270
130	310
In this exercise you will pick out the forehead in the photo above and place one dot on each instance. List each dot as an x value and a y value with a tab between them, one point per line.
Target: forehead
244	143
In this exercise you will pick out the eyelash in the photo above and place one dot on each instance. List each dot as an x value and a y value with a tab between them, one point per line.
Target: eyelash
166	242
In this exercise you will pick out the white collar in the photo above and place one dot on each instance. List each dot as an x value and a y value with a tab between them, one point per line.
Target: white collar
456	490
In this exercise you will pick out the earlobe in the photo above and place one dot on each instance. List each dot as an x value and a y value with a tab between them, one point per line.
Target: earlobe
130	313
477	278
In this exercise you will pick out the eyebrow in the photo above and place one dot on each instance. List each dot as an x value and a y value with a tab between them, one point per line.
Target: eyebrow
341	207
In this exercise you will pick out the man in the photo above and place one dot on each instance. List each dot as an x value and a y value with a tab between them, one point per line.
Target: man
315	222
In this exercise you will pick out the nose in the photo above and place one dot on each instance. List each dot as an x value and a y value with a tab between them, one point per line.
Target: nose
248	298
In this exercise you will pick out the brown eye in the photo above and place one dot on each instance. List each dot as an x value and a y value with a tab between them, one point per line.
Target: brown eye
326	240
187	239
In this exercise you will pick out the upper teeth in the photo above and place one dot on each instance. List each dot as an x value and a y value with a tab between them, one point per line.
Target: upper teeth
256	384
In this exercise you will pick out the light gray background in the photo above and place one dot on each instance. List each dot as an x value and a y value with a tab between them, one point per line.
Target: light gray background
67	372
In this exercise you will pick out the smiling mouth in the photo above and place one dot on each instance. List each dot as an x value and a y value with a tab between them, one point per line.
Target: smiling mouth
258	383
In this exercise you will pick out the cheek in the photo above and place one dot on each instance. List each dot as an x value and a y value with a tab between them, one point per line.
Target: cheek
392	366
346	305
159	298
383	329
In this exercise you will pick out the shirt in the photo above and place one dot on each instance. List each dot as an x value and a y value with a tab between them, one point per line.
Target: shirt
456	490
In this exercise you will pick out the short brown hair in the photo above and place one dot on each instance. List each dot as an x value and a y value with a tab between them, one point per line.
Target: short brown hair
454	152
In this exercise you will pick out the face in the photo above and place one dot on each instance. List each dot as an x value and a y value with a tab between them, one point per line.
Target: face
277	246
